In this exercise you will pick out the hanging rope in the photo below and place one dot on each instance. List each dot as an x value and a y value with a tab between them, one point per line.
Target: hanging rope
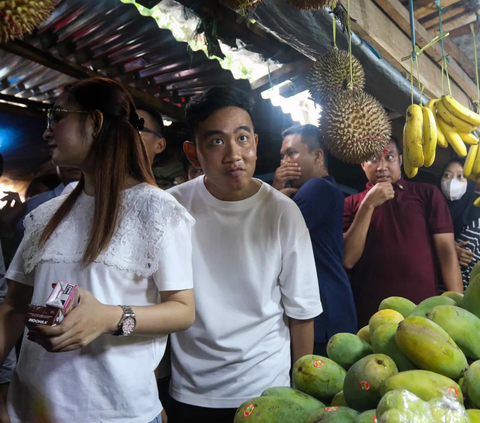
349	35
445	58
334	24
477	103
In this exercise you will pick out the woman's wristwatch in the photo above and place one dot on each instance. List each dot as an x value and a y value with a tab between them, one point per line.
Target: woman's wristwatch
127	323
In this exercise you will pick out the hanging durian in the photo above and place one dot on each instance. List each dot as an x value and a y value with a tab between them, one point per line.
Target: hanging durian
332	71
355	125
312	4
20	17
241	6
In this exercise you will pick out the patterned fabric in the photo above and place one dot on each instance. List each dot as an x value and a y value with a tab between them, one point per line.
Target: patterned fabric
147	216
470	233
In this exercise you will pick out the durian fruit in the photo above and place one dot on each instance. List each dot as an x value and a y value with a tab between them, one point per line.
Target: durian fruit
355	125
20	17
312	4
241	6
332	71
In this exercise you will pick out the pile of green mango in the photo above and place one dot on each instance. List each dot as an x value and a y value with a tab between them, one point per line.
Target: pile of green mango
429	352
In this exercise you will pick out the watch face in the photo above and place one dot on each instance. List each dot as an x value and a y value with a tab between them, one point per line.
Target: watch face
128	325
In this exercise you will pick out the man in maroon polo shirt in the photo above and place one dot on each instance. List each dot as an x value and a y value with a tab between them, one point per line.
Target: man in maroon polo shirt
398	235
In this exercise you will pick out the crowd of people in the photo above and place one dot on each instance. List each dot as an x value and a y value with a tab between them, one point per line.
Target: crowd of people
242	277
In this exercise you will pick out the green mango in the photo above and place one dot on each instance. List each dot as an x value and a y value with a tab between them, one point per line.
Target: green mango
346	349
339	400
369	416
461	325
268	410
429	347
455	296
474	415
383	342
475	271
472	377
424	384
364	333
400	304
382	317
331	415
471	298
426	305
308	403
363	380
318	376
463	385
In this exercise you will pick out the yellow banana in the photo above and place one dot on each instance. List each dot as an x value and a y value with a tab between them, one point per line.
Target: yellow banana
470	160
413	135
476	165
429	137
441	140
468	138
410	171
453	138
452	120
476	203
460	111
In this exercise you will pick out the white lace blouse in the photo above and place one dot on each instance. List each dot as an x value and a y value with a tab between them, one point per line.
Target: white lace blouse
112	379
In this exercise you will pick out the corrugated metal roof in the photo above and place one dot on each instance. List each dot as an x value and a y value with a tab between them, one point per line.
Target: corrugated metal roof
85	37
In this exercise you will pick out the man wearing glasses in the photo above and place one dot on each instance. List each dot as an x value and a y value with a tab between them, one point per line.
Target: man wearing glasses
152	133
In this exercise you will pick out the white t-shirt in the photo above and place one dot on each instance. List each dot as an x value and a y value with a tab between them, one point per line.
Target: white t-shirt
253	265
112	379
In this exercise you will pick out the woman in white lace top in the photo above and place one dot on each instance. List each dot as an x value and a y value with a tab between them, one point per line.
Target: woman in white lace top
124	242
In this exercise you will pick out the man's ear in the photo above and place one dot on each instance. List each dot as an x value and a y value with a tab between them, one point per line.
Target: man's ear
256	140
191	153
161	145
319	155
400	158
363	166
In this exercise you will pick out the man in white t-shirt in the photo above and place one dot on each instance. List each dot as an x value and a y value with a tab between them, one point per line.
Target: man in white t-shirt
256	287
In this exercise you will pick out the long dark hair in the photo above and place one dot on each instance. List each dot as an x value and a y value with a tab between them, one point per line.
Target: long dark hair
118	153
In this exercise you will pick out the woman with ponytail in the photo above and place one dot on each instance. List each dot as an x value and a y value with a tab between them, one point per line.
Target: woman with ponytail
126	244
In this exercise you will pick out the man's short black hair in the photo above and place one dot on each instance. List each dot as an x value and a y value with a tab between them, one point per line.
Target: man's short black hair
202	106
397	144
155	114
311	136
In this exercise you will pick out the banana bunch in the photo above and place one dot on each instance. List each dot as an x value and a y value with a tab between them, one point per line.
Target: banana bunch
420	139
441	122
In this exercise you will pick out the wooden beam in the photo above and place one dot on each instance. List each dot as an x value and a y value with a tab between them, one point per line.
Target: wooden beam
29	52
400	16
29	103
459	22
429	7
464	30
280	75
383	35
375	26
434	22
24	111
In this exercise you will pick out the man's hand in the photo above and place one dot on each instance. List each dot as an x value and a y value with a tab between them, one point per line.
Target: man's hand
465	256
289	192
286	172
379	194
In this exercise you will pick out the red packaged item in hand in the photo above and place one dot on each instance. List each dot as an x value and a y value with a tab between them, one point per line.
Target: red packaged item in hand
43	315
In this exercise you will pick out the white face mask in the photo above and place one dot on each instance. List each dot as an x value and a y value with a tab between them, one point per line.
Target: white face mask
454	190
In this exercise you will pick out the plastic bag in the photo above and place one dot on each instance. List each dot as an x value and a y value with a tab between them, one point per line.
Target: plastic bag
448	410
401	406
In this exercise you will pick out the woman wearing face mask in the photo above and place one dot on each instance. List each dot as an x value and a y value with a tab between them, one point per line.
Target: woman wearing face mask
460	195
126	244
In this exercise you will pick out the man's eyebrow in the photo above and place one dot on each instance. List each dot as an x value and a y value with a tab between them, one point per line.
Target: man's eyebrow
214	132
243	128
